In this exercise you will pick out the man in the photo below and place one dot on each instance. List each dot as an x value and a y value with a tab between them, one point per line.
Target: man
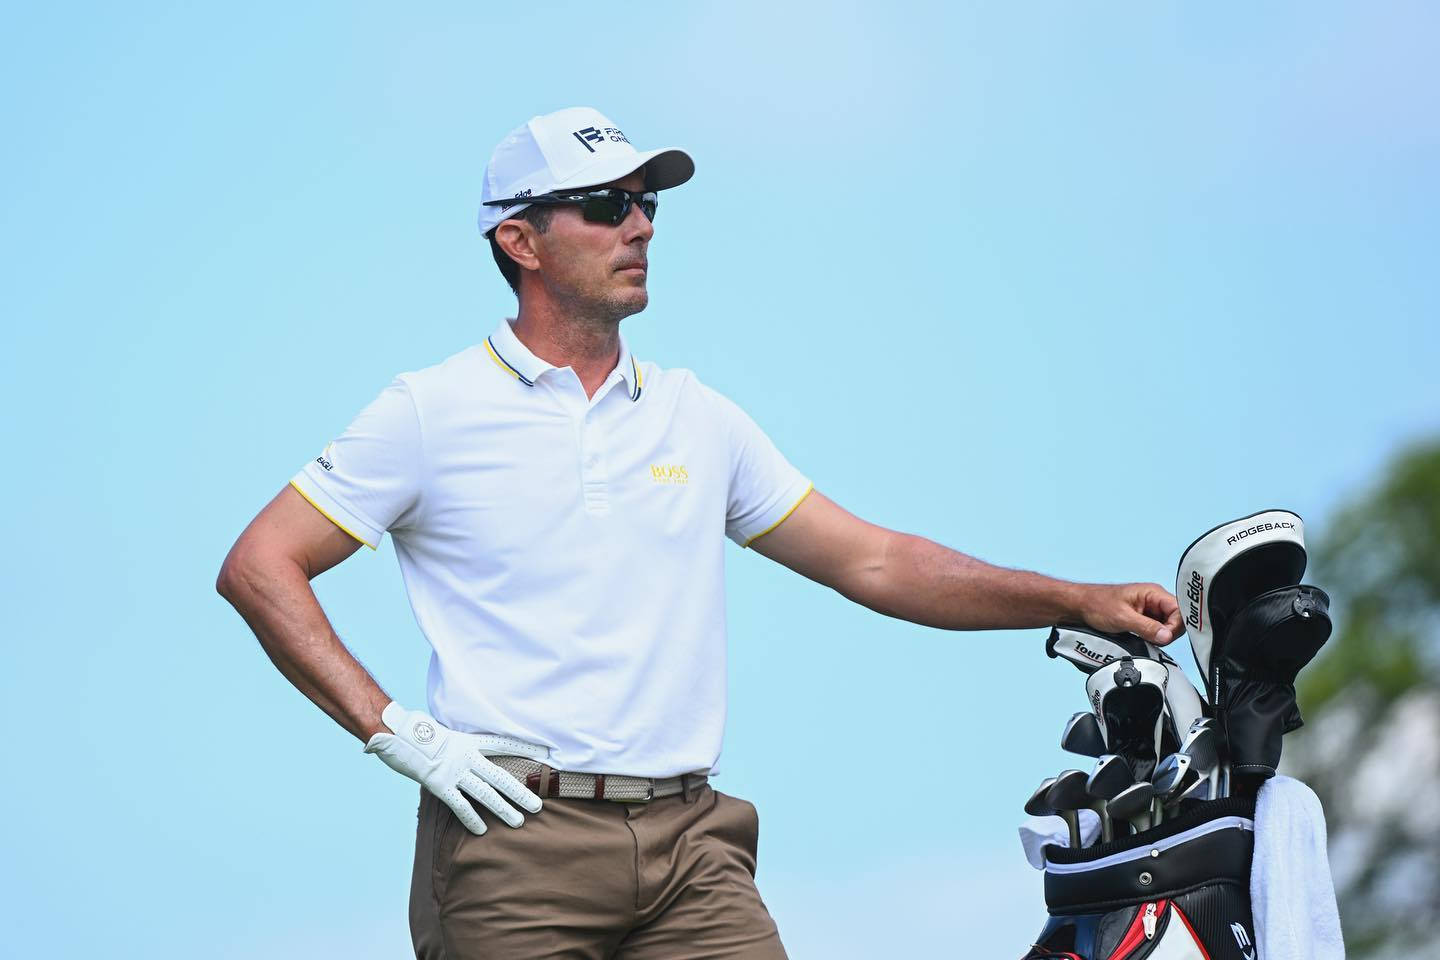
558	509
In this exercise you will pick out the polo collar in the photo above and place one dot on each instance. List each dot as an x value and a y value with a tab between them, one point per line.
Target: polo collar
512	356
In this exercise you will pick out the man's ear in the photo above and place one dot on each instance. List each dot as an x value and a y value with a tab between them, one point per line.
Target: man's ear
518	239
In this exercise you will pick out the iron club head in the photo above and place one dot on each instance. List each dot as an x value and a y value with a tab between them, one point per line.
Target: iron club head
1082	736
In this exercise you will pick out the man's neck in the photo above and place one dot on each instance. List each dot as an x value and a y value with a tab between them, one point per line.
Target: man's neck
589	346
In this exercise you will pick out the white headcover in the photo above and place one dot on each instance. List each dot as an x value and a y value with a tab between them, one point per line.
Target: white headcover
1208	556
1090	649
1114	676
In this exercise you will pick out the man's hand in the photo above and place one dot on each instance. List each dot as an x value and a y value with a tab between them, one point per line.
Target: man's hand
1147	610
445	762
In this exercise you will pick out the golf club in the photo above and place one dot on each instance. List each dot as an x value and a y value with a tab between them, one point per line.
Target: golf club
1111	775
1037	806
1068	794
1082	736
1132	805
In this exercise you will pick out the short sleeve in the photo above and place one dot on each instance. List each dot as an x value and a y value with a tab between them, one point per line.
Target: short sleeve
368	480
764	487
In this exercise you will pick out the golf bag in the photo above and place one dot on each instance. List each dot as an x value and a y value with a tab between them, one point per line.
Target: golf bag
1252	626
1180	891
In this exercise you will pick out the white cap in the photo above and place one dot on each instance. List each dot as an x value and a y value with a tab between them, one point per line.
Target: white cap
574	147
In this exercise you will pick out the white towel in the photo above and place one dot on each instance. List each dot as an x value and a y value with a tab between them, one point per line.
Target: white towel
1035	832
1291	892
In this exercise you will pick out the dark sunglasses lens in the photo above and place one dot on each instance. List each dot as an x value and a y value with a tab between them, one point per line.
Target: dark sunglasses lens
613	206
608	208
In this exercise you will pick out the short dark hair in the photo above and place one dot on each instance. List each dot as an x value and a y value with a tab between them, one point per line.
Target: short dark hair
509	269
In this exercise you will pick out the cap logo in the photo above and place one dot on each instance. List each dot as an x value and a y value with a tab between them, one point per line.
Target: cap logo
589	135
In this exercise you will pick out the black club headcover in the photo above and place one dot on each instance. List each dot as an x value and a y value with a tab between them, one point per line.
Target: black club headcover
1271	639
1234	585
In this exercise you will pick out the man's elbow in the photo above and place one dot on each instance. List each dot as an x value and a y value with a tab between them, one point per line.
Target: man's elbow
229	579
239	572
867	578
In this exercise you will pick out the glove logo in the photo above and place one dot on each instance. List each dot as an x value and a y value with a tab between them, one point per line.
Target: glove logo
424	732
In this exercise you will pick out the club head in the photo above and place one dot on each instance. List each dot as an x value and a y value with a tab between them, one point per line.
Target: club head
1082	736
1068	791
1202	747
1065	797
1036	805
1111	775
1196	792
1170	774
1133	803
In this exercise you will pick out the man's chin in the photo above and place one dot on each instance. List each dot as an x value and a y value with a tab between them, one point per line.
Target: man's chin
623	303
636	298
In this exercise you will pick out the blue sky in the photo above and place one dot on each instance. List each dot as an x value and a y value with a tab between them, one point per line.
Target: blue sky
1060	286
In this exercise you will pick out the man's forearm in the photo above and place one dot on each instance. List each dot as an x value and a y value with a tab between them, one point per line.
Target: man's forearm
921	581
277	602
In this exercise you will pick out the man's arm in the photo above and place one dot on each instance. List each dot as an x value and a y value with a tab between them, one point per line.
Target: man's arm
909	577
266	577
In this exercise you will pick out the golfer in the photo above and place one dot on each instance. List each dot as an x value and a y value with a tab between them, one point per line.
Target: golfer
558	507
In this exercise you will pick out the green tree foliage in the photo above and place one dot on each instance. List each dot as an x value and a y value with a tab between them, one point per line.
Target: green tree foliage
1371	744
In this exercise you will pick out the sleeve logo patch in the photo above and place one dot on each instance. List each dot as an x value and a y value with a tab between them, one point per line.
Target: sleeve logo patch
673	473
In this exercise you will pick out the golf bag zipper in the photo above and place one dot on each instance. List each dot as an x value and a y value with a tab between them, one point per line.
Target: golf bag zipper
1141	932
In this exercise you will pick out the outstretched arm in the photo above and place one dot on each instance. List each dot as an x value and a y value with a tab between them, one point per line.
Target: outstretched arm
909	577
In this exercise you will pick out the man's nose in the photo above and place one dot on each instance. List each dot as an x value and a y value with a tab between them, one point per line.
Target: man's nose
637	224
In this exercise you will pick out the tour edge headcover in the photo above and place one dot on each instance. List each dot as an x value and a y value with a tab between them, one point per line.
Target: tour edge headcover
1128	698
1089	650
1252	627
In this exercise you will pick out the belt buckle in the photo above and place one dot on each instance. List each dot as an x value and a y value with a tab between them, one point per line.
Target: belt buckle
650	791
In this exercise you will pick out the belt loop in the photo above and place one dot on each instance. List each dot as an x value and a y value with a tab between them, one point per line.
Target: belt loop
544	785
599	786
685	787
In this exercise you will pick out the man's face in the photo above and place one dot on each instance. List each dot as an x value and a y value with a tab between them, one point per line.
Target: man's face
598	268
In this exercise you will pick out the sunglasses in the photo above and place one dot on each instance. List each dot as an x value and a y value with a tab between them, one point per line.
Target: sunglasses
610	206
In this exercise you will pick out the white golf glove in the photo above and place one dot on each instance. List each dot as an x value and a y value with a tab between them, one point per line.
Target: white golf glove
445	762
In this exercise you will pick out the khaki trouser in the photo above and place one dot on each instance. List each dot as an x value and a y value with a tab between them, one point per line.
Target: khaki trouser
671	879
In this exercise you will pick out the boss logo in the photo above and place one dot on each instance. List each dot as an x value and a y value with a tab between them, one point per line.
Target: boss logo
669	473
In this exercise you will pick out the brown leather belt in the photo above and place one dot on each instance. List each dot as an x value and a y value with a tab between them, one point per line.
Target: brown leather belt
544	781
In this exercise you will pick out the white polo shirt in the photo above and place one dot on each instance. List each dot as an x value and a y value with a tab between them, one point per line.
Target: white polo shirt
563	555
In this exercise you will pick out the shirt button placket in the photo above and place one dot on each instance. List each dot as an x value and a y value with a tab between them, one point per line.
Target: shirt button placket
593	479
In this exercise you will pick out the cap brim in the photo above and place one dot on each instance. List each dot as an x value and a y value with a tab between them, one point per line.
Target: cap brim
665	168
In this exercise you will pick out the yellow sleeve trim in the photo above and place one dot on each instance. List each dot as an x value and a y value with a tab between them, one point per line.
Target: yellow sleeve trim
332	519
782	519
